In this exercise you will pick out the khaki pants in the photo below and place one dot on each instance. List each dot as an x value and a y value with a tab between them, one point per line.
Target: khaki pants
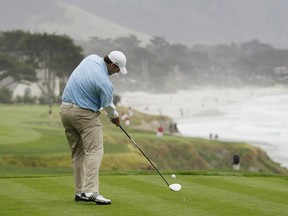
84	134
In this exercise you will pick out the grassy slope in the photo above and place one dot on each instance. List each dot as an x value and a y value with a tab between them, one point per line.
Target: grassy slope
31	140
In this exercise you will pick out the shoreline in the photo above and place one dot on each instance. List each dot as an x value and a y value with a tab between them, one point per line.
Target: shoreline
188	103
204	105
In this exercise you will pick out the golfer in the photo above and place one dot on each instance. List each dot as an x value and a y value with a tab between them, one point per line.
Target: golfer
87	91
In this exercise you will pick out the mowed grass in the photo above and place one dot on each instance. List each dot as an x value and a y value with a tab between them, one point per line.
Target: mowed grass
31	141
36	179
148	195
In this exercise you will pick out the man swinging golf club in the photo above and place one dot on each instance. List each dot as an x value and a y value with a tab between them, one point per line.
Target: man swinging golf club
87	91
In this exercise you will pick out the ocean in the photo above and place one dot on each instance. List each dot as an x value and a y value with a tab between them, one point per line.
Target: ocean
258	116
261	121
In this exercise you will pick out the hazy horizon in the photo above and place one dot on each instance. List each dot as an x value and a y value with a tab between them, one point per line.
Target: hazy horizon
185	22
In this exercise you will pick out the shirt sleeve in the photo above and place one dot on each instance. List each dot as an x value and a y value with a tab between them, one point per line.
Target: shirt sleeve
107	101
111	111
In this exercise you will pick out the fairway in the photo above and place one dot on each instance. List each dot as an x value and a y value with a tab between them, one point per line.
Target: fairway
148	195
36	176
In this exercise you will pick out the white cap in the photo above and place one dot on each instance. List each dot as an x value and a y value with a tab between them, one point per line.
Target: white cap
119	59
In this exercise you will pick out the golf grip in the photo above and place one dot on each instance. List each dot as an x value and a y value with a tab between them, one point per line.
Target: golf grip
144	154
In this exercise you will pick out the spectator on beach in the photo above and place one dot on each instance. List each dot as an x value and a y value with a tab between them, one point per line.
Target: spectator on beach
181	113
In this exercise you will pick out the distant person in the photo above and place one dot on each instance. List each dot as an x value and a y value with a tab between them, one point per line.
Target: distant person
171	128
127	121
160	131
50	113
130	111
236	162
175	128
181	113
123	116
87	91
50	108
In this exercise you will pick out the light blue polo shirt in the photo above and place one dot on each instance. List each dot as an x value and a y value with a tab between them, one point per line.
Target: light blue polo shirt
89	85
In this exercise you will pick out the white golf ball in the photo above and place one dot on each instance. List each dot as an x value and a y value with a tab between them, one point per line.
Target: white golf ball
173	176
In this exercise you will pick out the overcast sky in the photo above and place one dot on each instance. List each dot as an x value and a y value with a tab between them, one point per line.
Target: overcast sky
183	21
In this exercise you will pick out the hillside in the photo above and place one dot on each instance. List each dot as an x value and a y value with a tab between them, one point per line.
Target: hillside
32	142
63	18
174	152
191	22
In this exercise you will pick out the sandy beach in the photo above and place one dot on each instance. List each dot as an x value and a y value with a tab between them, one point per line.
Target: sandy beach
236	114
199	101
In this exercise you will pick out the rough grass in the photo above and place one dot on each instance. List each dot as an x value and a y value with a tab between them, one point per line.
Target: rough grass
148	195
30	138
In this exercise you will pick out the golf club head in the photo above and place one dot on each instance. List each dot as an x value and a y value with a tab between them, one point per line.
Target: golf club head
175	187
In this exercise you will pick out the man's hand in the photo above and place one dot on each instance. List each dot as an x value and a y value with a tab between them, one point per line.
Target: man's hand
116	121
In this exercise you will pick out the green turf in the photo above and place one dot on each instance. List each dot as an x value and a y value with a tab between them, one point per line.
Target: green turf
148	195
35	173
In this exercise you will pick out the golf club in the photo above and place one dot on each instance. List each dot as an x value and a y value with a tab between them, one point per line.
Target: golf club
173	187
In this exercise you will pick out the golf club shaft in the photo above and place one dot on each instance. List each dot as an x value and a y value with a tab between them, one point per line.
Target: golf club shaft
144	154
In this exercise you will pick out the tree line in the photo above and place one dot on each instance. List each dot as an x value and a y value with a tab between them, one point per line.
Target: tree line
159	66
28	57
164	66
